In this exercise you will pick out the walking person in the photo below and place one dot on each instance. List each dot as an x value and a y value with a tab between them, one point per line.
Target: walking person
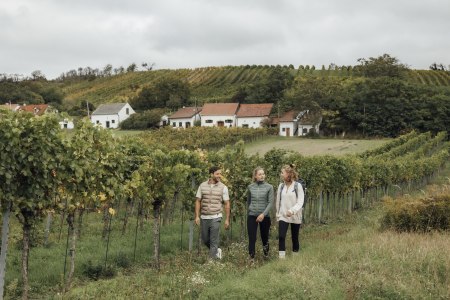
259	203
211	196
289	203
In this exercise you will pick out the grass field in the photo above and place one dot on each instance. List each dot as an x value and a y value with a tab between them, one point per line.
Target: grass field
313	146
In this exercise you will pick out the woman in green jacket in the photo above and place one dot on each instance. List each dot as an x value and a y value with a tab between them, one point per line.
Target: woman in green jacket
259	201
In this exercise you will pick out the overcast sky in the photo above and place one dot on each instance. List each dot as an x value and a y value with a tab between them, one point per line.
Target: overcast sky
55	36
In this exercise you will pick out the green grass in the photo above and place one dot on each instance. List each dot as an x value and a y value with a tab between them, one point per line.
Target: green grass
312	146
350	259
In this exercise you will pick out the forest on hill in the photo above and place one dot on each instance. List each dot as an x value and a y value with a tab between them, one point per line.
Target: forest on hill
378	96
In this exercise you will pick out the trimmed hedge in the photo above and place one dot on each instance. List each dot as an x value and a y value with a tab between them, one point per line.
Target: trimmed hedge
422	214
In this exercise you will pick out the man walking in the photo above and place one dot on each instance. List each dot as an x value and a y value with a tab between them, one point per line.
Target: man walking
209	198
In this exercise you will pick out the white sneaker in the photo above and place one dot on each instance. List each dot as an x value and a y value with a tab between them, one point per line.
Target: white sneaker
219	253
282	254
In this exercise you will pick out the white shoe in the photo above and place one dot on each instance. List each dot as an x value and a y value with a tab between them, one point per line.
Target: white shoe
219	253
282	254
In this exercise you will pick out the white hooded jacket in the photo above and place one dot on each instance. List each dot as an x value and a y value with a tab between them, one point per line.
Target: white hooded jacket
290	202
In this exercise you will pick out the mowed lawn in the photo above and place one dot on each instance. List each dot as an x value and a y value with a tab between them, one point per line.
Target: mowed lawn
313	146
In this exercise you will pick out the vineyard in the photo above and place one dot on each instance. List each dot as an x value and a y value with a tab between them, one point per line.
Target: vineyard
88	188
213	84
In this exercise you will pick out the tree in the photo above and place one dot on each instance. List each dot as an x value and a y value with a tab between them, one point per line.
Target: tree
107	70
37	75
144	120
165	92
384	65
147	66
132	68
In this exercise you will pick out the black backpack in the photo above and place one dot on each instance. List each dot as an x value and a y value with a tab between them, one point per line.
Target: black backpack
296	184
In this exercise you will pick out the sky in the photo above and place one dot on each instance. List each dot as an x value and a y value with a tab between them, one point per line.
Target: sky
55	36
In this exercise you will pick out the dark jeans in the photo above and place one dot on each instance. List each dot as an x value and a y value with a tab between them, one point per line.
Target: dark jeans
282	230
252	227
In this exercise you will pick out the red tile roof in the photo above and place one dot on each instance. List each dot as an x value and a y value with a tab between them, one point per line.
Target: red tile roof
36	109
288	116
185	112
219	109
255	110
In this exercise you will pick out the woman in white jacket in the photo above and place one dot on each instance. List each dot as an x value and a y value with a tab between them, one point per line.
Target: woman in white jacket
289	205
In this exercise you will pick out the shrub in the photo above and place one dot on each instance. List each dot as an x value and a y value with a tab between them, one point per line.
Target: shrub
122	260
422	214
97	271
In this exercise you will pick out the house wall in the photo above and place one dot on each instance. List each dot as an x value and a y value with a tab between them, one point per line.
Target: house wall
216	119
102	120
113	119
285	125
252	122
304	129
124	114
175	123
308	128
66	124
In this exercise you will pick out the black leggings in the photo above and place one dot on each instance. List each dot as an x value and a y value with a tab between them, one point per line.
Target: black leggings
252	227
282	230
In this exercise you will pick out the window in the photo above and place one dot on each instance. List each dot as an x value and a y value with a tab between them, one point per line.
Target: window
208	121
228	121
180	124
305	130
113	121
98	122
188	124
283	129
245	126
174	124
127	111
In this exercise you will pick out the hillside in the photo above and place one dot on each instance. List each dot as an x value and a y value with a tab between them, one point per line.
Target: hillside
209	83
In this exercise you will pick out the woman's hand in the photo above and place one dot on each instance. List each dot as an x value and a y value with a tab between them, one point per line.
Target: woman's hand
288	213
260	218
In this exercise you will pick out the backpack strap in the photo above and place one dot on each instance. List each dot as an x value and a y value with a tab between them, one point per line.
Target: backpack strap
296	189
281	191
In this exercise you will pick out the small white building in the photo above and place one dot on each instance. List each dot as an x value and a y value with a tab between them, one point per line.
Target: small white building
299	124
185	117
66	123
287	124
308	122
219	114
112	114
252	115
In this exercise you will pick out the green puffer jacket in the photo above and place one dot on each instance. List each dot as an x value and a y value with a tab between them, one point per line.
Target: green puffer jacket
259	198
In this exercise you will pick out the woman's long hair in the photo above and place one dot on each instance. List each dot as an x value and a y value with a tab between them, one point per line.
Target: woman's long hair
292	173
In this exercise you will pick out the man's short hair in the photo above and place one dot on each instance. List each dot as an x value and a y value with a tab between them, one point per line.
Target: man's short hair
213	169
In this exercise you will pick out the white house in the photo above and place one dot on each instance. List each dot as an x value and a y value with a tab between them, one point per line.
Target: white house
66	123
252	115
219	114
287	124
185	117
299	124
112	114
308	122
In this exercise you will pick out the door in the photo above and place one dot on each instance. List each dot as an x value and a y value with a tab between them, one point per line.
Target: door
220	123
288	131
107	124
